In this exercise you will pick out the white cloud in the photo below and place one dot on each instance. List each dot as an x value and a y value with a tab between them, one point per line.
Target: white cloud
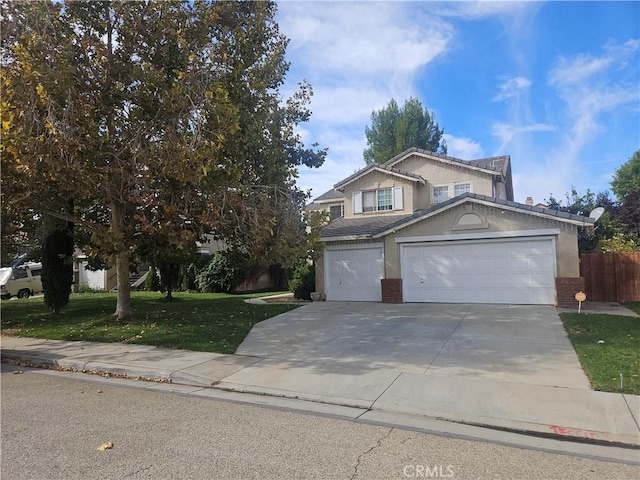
507	132
357	56
463	148
481	9
591	86
360	38
512	87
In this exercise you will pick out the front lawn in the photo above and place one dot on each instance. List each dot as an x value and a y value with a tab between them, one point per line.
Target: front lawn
208	322
617	353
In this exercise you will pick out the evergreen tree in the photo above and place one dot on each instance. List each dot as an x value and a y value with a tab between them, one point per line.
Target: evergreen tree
394	129
57	267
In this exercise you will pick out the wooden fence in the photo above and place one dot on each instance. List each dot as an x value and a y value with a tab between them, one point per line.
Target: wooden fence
611	277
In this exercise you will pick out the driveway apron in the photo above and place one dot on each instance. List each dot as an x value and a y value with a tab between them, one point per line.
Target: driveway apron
351	352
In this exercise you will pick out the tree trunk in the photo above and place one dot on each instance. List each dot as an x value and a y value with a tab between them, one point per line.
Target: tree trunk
123	305
123	260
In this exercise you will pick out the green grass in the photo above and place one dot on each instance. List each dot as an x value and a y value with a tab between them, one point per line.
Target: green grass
620	352
193	321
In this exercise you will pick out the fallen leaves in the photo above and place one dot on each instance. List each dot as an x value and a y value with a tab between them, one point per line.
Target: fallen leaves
105	446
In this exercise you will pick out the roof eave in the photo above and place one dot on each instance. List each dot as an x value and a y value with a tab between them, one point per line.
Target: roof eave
341	185
484	202
345	238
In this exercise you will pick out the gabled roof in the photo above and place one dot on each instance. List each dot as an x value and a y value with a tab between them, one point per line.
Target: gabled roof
492	165
372	227
332	196
379	168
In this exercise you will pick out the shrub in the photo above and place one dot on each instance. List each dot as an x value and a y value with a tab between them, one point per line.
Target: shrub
85	288
303	281
224	272
152	282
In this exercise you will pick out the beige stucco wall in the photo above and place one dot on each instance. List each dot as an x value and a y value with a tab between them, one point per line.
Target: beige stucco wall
498	220
436	173
376	180
417	196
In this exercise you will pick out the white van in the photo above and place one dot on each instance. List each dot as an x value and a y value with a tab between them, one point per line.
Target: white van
21	282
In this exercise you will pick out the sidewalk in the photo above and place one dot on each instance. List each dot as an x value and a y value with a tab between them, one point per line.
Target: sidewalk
566	413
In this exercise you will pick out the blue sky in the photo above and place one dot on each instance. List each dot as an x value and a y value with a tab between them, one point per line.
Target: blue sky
556	85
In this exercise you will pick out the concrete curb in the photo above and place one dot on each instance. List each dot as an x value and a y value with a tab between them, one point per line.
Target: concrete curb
182	377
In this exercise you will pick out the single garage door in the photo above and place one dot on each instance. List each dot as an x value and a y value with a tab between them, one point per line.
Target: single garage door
354	274
518	271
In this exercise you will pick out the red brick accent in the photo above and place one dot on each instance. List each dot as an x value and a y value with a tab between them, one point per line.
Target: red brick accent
391	290
566	289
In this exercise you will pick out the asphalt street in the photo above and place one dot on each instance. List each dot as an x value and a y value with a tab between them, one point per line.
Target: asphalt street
53	422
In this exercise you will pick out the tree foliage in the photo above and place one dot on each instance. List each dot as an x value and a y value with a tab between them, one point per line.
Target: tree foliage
162	121
394	129
609	234
627	178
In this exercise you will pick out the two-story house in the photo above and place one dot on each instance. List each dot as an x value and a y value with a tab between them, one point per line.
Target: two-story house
425	227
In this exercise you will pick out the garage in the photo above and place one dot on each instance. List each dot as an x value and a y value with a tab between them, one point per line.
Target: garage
509	271
353	273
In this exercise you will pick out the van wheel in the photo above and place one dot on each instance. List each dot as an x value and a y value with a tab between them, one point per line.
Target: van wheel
24	293
5	297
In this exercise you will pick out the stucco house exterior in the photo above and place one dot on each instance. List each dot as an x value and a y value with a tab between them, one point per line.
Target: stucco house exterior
426	227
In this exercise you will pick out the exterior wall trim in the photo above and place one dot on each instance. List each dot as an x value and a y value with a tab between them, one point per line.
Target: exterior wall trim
479	236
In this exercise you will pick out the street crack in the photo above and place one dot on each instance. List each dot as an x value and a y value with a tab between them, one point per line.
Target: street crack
362	455
138	471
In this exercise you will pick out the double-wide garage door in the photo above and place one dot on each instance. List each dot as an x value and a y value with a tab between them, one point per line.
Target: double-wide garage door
518	271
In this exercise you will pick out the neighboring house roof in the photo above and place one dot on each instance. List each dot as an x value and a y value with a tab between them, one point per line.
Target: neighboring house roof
376	227
332	196
379	168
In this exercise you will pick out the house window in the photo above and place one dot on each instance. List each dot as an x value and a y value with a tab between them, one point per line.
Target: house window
369	201
381	200
440	194
336	211
461	188
385	199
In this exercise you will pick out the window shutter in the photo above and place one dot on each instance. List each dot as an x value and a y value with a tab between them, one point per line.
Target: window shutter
357	202
397	198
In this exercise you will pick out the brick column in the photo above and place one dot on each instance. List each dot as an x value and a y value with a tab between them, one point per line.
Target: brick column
566	289
391	290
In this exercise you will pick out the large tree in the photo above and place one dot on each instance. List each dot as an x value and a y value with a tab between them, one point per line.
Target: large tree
627	178
394	129
130	110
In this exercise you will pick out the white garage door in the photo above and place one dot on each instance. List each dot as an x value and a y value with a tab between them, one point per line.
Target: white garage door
480	271
354	273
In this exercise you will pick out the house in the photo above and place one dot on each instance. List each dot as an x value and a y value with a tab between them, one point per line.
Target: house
426	227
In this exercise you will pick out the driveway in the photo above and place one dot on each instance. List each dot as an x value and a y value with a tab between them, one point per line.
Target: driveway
505	343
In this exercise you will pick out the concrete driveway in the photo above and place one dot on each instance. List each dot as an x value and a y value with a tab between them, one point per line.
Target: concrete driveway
515	344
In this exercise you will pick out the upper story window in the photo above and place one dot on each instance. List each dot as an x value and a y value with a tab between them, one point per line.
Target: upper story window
461	188
383	199
336	211
441	193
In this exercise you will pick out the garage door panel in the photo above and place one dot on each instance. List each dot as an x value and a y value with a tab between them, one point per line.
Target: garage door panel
495	271
354	274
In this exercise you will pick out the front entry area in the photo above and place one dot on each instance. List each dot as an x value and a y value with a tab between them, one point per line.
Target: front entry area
501	271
